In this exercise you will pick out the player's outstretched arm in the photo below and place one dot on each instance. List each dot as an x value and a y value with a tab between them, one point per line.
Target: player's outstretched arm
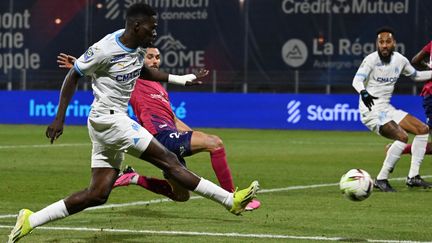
55	129
185	80
418	61
201	73
65	60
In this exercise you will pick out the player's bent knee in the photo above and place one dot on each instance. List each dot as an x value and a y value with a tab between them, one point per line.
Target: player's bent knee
214	142
96	199
424	130
403	138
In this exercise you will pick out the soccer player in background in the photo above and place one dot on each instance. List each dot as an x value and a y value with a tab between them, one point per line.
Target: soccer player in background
151	104
114	63
374	81
423	61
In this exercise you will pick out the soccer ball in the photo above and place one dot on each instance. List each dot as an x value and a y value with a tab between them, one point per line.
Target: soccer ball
356	184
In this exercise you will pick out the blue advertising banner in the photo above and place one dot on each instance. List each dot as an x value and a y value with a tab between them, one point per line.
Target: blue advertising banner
257	111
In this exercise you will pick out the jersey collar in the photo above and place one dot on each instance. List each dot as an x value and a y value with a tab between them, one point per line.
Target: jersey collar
117	38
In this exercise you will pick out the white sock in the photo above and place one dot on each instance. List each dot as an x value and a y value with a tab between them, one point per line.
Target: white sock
134	180
212	191
393	155
418	150
50	213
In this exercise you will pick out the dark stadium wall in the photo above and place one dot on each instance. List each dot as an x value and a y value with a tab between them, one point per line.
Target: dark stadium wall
250	41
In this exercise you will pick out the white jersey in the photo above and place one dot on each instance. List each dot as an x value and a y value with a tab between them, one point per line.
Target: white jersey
380	78
113	69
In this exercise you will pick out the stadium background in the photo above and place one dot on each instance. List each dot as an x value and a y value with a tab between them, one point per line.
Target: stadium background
277	87
289	47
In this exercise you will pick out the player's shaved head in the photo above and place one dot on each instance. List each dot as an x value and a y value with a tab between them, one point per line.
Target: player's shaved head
137	12
140	9
141	24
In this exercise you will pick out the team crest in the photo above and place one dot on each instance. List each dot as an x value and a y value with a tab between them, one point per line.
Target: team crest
89	53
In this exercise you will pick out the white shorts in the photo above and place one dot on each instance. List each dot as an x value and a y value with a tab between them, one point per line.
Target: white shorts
113	135
376	118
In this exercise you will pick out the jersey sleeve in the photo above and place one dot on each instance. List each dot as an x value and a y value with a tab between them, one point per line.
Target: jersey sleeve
408	69
362	74
365	68
90	61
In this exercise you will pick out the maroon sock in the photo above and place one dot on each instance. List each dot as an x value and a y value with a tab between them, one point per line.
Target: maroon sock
407	149
221	169
156	185
428	148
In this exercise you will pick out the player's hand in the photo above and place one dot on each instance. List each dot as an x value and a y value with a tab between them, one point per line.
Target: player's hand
200	74
54	130
367	99
65	61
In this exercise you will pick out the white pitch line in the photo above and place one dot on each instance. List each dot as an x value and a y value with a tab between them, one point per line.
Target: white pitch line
232	234
8	216
163	200
23	146
43	145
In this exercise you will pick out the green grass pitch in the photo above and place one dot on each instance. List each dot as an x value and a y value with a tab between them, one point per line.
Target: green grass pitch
34	174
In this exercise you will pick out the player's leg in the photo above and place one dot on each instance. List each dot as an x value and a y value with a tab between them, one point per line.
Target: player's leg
97	194
146	147
427	106
162	158
201	141
394	132
159	186
421	131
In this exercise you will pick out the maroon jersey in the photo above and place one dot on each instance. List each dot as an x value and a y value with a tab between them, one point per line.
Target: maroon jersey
427	87
150	102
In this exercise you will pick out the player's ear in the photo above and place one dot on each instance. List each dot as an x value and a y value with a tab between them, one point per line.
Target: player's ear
136	25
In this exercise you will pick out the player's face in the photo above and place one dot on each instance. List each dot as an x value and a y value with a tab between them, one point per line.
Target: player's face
385	44
152	58
146	33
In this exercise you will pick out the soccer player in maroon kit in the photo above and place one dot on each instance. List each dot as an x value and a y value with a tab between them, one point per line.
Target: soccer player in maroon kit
151	105
423	61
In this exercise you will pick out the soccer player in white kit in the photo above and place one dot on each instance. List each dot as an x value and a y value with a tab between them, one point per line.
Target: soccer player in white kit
374	81
114	63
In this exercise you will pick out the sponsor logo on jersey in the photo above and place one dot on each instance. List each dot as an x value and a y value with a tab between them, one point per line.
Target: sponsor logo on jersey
386	79
128	76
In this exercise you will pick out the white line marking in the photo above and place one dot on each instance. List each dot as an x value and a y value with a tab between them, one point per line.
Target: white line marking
163	200
210	233
43	145
232	234
238	140
8	216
